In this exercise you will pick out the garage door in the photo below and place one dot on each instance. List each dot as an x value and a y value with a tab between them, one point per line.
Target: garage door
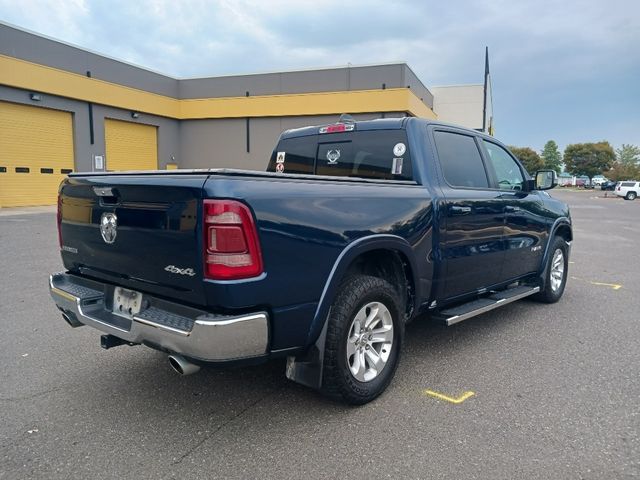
36	151
130	146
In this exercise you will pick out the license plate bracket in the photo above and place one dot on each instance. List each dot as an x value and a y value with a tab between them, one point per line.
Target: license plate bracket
126	303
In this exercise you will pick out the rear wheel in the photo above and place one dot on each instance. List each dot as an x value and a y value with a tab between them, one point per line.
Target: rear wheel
556	272
631	196
363	342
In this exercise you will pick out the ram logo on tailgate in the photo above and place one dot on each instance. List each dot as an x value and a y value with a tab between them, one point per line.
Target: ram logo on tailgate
109	227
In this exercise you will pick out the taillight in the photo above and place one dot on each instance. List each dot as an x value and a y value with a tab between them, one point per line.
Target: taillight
231	245
59	220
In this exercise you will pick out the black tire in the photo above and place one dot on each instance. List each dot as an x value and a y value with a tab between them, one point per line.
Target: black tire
550	294
631	196
356	293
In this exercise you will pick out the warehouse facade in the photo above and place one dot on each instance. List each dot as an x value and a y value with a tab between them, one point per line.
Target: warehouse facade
65	109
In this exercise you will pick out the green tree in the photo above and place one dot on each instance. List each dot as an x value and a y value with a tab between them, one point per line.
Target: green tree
620	171
589	158
529	158
628	155
551	156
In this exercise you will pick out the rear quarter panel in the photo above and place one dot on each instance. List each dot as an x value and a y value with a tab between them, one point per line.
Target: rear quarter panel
304	225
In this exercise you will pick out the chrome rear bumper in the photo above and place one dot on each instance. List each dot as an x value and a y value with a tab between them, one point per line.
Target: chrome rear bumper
176	328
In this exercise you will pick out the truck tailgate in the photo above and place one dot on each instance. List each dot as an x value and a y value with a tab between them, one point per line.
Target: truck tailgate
138	230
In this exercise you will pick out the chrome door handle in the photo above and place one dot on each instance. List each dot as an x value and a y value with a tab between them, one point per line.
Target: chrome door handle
511	209
455	210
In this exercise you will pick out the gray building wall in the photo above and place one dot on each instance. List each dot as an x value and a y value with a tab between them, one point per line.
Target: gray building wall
307	81
223	142
321	80
413	82
34	48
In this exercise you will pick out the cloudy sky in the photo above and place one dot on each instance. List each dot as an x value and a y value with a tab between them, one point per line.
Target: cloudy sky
563	70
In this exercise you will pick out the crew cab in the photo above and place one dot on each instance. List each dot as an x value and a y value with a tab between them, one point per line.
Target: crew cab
355	229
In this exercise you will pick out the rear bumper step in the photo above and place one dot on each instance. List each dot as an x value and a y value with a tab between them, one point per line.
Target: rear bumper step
188	331
462	312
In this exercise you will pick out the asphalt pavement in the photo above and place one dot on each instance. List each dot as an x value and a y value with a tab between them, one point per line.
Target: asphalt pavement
524	392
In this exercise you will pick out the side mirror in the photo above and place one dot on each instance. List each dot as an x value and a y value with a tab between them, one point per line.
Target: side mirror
546	179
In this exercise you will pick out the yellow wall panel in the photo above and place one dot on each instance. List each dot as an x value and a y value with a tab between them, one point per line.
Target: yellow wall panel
130	146
33	138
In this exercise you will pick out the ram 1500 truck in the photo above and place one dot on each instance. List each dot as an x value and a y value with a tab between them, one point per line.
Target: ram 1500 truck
354	229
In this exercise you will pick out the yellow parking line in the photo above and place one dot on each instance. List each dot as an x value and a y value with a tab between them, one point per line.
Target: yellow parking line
614	286
446	398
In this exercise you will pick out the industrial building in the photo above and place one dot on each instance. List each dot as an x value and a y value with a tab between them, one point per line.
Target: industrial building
64	109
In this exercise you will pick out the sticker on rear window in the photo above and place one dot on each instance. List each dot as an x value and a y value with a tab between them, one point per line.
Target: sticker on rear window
398	151
333	156
280	157
396	166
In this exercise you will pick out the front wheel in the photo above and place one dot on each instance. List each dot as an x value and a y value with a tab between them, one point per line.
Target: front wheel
363	342
556	272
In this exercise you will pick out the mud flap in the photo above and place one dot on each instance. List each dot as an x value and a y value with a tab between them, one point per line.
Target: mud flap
306	369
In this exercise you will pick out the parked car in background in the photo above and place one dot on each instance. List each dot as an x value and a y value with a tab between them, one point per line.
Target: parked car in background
608	185
629	190
583	181
598	180
565	179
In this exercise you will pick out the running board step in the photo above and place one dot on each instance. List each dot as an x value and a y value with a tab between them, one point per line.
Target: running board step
462	312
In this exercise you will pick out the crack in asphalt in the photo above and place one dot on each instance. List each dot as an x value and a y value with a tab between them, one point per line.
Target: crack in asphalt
220	427
33	395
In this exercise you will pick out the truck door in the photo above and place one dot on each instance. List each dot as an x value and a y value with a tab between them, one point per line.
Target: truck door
525	224
471	242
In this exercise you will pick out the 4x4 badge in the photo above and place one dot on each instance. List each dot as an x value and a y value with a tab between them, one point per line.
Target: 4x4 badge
109	227
180	271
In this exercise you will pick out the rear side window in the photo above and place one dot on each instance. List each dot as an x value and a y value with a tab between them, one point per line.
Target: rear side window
297	154
460	160
628	184
376	154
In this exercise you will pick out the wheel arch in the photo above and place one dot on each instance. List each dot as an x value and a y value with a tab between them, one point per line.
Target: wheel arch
562	228
388	251
374	255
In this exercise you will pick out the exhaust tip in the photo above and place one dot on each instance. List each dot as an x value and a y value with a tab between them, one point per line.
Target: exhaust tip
71	319
182	366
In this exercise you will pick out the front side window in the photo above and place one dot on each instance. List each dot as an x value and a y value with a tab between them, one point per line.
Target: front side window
508	172
460	160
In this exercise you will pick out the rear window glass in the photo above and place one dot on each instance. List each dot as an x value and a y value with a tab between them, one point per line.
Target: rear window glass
378	154
460	160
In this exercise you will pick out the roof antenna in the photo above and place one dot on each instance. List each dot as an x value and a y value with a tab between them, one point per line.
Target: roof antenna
346	118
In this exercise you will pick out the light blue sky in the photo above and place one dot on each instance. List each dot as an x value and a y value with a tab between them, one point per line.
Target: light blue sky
568	71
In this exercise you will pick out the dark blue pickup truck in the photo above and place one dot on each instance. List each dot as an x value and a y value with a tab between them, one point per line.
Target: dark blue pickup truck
354	229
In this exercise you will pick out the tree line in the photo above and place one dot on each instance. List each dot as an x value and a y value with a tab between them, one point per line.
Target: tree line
588	159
